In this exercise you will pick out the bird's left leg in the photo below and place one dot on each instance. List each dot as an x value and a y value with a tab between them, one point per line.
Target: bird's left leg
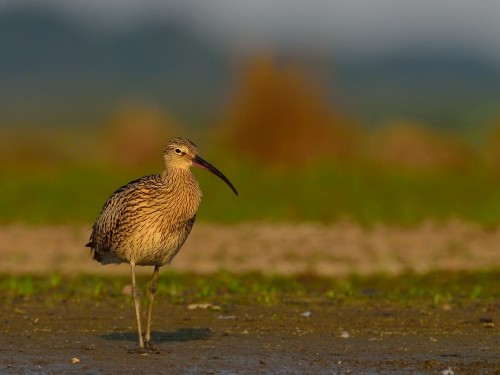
152	292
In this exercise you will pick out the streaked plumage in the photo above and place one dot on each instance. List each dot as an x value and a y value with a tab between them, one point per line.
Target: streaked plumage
147	221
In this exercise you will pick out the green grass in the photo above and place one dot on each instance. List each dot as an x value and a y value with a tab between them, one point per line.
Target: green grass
323	193
181	288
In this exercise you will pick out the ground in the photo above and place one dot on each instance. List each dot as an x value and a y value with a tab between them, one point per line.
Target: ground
330	250
295	336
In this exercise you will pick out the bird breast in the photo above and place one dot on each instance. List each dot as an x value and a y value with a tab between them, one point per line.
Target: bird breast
162	226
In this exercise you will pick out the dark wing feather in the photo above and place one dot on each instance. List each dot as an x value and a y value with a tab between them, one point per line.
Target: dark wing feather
101	239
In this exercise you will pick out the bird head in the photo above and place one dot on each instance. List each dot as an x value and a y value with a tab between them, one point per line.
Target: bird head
181	153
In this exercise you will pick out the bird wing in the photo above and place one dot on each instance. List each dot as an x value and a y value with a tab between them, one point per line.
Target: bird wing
112	213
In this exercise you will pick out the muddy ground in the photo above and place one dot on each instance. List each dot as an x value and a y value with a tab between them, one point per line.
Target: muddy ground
293	338
90	336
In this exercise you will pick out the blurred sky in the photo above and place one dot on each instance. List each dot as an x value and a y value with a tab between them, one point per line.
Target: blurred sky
355	27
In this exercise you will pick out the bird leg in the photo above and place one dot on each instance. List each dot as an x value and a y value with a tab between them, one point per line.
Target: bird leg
136	297
152	292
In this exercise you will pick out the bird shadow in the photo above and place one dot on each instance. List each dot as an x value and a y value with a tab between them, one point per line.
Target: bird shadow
179	335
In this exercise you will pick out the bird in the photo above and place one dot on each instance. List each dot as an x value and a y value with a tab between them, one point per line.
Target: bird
147	221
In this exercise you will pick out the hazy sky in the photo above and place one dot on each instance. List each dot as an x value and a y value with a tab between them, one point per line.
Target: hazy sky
348	26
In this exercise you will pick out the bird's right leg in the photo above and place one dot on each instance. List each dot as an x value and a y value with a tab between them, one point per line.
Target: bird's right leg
136	297
152	292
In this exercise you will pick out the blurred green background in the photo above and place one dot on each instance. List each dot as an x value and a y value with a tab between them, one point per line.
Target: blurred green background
322	112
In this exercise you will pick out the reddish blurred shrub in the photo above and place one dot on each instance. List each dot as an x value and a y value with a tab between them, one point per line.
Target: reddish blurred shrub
279	117
135	135
42	147
410	145
491	150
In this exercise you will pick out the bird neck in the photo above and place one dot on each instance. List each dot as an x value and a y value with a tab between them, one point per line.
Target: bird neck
181	179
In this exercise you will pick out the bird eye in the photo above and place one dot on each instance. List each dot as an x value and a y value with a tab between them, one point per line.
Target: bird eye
178	151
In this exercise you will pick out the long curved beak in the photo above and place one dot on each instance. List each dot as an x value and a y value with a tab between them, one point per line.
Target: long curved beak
203	164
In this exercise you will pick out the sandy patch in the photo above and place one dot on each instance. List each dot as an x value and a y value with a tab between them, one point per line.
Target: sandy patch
334	250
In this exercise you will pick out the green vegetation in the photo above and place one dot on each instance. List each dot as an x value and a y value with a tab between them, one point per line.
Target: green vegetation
226	288
322	193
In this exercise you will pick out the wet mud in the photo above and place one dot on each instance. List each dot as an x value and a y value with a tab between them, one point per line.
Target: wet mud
297	337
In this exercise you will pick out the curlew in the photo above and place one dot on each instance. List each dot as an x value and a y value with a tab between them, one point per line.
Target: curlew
146	222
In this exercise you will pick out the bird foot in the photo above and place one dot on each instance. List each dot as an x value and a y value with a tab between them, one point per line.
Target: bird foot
147	349
138	350
150	347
